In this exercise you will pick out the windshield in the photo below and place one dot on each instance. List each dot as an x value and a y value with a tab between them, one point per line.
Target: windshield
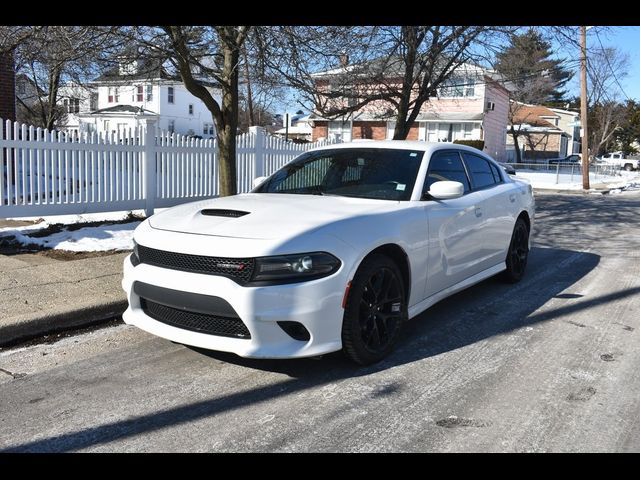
386	174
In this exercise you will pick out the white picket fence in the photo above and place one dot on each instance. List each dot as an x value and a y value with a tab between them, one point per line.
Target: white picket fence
49	173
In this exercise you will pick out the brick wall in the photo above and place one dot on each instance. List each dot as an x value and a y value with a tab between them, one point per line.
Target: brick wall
371	130
413	132
320	130
7	88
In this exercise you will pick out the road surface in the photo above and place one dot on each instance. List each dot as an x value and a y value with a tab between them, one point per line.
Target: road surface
550	364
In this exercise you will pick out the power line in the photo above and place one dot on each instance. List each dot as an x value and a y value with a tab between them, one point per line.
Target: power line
610	67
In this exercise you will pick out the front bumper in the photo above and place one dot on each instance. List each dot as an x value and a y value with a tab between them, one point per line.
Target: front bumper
315	304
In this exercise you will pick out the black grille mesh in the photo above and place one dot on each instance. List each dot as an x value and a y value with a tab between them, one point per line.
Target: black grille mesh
196	322
222	266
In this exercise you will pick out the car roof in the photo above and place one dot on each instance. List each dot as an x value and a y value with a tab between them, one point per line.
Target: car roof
428	147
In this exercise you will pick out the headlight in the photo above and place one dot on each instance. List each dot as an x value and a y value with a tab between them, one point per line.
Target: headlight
294	268
135	258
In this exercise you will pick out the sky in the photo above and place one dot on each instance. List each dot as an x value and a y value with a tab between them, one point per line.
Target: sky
626	39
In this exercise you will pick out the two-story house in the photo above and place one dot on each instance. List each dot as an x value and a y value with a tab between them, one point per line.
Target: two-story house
144	89
471	105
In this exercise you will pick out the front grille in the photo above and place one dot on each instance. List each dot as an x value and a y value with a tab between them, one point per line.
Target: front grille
217	212
238	269
196	322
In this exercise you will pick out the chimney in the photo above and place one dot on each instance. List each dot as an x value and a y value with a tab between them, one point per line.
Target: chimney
344	59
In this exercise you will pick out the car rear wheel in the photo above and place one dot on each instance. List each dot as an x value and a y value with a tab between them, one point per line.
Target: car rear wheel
628	167
375	310
518	252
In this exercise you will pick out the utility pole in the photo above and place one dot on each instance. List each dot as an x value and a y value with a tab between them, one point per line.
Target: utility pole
583	107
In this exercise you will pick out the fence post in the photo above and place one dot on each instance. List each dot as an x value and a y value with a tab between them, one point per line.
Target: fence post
259	148
149	165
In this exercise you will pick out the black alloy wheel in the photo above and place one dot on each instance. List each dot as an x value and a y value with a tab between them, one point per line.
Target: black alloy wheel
375	310
518	253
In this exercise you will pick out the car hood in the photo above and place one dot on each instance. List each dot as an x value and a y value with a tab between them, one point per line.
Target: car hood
264	215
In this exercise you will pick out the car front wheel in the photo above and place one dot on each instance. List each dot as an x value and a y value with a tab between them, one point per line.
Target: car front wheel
518	252
375	310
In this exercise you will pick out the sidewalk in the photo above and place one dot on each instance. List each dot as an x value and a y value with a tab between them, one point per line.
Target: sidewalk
40	294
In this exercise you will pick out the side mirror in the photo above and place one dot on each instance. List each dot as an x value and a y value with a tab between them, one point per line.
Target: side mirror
446	190
257	181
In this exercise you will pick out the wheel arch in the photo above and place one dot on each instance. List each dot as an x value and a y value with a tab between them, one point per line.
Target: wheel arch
396	253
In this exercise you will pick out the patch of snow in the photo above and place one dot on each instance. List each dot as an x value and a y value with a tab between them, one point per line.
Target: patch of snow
88	239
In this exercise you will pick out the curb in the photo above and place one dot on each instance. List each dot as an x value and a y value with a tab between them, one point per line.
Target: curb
52	323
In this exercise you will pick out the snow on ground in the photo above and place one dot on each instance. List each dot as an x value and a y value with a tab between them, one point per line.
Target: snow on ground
566	181
87	239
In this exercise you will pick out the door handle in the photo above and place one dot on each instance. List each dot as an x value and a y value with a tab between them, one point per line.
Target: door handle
478	212
512	198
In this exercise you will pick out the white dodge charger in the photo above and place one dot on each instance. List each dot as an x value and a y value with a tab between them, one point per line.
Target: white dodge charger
336	250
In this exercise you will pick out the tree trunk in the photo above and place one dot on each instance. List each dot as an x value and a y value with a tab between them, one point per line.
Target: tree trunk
252	120
514	134
227	135
54	85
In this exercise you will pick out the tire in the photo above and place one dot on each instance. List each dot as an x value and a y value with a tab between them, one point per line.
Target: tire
518	252
375	310
628	167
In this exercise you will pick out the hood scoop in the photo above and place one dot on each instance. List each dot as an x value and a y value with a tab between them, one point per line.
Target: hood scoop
217	212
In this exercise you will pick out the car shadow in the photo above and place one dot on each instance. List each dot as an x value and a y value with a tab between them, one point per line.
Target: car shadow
487	309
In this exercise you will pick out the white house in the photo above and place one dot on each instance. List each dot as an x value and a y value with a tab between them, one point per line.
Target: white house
144	89
76	99
569	122
298	127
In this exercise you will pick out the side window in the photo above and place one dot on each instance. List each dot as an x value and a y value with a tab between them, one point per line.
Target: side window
497	176
479	170
446	166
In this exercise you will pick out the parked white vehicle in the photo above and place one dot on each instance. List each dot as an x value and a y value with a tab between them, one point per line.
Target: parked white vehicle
333	251
618	158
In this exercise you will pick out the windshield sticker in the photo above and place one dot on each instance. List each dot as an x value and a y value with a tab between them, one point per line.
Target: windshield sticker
413	154
401	187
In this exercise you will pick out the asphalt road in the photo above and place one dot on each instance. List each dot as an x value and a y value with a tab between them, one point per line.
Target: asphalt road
550	364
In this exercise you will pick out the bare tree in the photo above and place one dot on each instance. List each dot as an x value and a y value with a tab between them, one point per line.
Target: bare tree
606	67
200	55
391	70
52	55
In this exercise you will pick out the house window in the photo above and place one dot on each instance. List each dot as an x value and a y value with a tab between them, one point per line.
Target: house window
432	132
171	125
340	131
149	93
468	131
65	105
139	93
458	86
116	96
207	129
93	101
74	105
191	109
170	93
110	94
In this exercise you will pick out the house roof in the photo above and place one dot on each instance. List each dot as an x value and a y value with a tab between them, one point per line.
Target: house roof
120	109
532	115
147	69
